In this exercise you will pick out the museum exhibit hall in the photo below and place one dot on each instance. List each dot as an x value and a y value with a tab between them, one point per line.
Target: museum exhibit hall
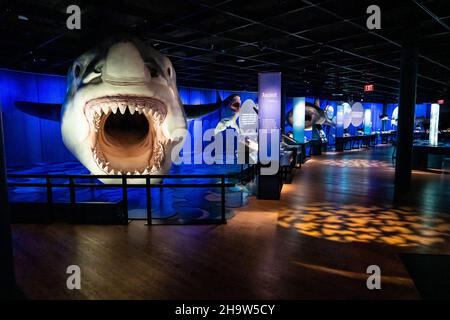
233	151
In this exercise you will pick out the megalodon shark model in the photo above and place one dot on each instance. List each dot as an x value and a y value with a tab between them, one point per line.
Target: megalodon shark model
122	113
314	115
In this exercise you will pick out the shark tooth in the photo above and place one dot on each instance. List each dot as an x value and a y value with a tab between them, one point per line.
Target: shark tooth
114	108
105	109
132	109
122	108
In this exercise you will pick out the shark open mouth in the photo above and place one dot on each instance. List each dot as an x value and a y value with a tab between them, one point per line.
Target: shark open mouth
128	135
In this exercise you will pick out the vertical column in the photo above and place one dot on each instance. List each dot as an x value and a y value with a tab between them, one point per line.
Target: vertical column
407	104
7	277
269	98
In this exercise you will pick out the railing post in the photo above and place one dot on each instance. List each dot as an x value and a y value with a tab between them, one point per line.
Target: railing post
125	196
72	191
149	201
222	186
48	185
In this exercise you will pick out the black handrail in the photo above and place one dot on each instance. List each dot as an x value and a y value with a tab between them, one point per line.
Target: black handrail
72	185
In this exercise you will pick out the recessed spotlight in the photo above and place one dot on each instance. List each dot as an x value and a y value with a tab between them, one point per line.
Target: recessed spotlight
240	60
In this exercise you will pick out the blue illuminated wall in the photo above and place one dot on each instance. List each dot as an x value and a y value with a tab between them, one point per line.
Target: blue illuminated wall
31	140
421	110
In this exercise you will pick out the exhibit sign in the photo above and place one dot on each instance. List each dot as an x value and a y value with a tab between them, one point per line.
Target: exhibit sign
298	121
248	133
367	121
340	120
269	110
434	124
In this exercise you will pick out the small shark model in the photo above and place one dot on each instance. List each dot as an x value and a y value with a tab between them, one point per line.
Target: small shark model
229	114
122	113
314	115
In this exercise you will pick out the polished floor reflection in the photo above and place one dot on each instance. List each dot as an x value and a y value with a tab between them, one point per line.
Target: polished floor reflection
332	222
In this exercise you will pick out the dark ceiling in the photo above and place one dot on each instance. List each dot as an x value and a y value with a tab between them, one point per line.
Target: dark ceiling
321	47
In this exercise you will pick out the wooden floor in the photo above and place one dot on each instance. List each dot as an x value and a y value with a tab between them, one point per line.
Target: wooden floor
333	221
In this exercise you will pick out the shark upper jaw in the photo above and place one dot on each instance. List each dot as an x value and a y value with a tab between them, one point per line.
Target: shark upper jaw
126	133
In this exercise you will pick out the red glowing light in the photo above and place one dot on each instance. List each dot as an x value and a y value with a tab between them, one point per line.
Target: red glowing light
369	88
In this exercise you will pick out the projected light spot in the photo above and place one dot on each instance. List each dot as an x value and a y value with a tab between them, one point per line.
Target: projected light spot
357	163
397	226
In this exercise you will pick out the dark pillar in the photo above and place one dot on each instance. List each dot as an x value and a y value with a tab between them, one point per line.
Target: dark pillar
383	122
7	277
406	109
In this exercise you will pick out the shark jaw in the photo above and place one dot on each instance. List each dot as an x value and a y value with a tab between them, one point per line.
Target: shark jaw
127	135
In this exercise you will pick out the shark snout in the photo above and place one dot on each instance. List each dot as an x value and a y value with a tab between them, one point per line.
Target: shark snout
124	65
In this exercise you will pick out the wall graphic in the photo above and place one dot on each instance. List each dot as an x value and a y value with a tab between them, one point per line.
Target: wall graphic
299	119
434	124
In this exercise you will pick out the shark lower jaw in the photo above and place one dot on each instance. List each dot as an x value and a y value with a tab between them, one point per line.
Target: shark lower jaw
128	136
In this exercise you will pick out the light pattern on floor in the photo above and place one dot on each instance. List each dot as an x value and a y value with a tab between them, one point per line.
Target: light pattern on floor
401	226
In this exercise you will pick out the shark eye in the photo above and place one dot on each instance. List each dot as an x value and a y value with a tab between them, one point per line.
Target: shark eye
77	70
169	72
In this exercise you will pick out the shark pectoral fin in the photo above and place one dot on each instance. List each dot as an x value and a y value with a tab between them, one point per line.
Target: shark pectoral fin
49	111
222	125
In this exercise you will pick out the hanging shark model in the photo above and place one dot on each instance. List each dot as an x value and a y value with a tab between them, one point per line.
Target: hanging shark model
122	113
314	115
229	114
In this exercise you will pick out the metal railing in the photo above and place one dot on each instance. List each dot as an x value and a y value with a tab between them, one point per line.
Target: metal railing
124	185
